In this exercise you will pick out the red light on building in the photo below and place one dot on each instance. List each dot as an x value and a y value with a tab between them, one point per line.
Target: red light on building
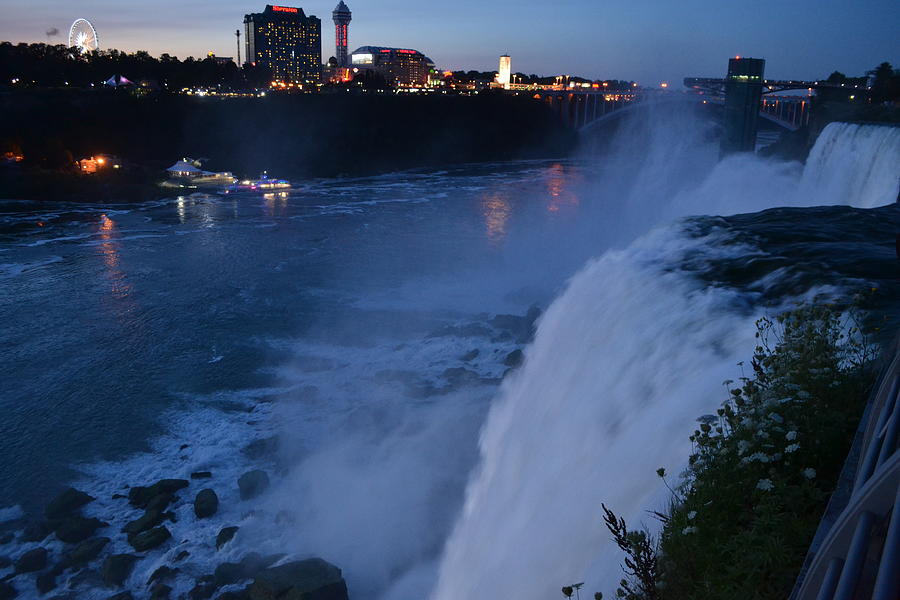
406	51
287	9
385	51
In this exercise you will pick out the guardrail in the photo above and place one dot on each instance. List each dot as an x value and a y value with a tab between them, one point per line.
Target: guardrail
855	553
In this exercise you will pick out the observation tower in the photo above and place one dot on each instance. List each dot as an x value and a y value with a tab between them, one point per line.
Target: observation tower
341	16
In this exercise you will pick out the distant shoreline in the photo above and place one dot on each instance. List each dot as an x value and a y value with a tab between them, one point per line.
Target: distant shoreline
293	137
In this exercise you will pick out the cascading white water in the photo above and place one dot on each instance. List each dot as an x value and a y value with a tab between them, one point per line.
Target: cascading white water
855	161
622	363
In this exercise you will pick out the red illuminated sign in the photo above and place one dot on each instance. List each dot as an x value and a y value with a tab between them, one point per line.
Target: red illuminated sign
406	51
286	9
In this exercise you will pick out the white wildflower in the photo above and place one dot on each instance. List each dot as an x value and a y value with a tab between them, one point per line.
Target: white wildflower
776	417
790	436
765	485
688	530
693	514
743	446
803	395
758	456
809	473
792	448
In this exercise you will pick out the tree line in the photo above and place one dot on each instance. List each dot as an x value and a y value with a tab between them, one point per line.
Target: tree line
45	65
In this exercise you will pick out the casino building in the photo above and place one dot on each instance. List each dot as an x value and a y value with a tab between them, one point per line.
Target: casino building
401	67
286	41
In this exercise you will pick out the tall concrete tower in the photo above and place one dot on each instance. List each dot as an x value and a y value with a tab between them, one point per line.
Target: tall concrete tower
341	16
743	91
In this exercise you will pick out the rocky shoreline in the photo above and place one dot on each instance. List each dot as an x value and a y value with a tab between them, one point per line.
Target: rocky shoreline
83	558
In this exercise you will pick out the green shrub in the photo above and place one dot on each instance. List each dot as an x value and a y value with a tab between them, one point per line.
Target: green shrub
763	468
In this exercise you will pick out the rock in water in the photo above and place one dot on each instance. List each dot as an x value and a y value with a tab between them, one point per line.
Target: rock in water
121	596
151	518
140	495
77	529
206	504
225	535
147	540
164	573
253	483
7	592
86	551
228	573
204	588
514	358
117	568
46	582
201	475
33	560
160	591
36	531
66	503
311	578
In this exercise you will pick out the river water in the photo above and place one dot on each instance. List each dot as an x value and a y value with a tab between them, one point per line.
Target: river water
345	337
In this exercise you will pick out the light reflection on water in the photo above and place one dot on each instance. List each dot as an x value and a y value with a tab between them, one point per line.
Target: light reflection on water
110	248
496	211
559	188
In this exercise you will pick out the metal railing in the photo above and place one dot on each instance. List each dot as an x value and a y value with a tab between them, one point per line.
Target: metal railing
855	553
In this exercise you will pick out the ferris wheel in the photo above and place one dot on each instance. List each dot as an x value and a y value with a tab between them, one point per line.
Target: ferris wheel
83	36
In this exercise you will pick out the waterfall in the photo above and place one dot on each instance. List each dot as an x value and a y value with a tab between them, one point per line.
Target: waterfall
624	361
855	161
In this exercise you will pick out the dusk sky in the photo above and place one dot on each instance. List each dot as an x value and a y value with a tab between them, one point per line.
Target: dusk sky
645	40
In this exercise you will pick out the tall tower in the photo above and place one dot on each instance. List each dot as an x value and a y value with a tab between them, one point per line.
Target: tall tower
237	34
743	91
341	16
504	74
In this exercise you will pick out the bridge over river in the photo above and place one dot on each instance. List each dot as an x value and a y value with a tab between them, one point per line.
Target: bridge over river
744	93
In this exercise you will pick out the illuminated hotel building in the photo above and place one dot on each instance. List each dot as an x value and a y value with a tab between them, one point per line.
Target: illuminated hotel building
341	16
504	74
399	66
286	41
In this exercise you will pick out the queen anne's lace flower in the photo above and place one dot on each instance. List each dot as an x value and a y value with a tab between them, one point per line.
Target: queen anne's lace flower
809	473
765	485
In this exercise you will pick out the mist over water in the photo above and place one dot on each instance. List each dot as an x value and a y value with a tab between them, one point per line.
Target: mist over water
624	361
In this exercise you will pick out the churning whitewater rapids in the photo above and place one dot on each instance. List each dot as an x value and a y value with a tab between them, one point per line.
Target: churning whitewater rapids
358	340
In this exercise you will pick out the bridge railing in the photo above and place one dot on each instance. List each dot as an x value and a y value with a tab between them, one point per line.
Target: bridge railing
856	551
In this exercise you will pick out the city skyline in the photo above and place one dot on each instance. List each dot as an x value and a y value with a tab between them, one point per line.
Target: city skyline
646	41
